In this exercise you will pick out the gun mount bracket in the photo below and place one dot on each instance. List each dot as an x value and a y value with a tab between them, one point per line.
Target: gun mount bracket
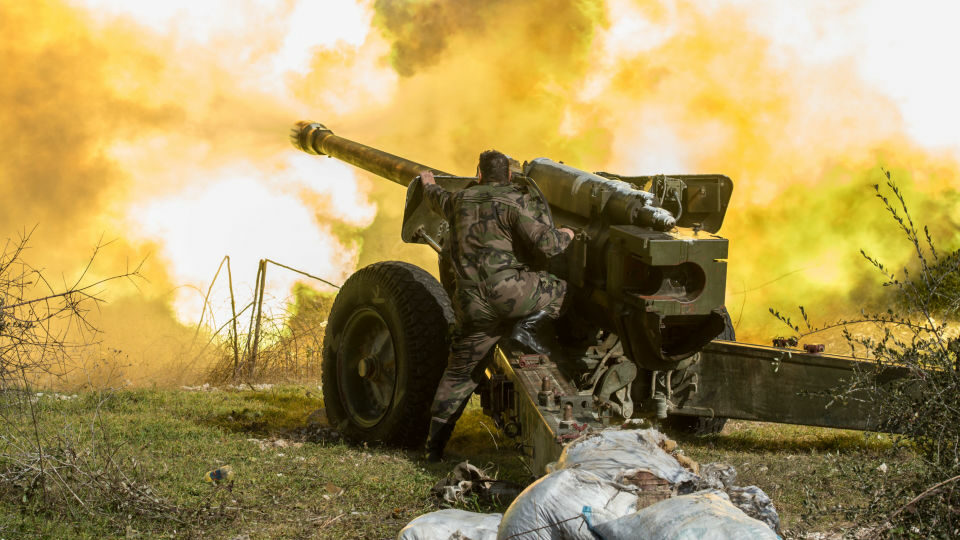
422	234
580	406
670	189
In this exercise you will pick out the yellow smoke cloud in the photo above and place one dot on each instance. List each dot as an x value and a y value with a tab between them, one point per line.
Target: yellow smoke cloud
172	140
651	87
164	125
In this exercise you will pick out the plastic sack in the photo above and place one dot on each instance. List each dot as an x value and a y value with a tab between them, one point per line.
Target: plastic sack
615	454
750	499
452	524
553	506
705	515
718	475
466	480
756	504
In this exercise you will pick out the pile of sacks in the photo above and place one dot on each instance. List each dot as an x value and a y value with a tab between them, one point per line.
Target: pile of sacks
618	484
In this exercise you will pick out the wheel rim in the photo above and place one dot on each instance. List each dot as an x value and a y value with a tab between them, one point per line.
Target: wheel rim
366	368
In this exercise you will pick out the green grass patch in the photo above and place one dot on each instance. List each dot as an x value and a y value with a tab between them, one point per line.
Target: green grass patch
810	473
288	488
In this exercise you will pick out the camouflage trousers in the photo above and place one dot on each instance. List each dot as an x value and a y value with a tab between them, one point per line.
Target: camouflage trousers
481	313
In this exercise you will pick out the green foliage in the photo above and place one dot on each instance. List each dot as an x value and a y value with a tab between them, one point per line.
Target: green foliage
944	294
309	310
912	379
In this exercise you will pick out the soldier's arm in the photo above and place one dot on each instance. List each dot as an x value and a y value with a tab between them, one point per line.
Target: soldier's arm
437	197
537	209
544	238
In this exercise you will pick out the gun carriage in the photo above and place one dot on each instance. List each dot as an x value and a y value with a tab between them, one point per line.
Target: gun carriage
646	333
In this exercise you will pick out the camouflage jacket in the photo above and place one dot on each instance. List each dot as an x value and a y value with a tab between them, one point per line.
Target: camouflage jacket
489	223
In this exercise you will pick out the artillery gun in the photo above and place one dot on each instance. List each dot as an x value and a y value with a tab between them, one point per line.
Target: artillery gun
646	335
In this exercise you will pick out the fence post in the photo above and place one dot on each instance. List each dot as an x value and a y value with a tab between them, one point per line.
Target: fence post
233	309
262	272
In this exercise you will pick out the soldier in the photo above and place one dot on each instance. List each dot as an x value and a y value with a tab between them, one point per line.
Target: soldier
489	222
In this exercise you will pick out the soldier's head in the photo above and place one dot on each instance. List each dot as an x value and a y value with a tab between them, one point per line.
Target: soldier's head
494	168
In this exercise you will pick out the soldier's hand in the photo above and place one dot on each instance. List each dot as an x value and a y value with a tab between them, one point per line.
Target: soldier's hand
568	231
427	177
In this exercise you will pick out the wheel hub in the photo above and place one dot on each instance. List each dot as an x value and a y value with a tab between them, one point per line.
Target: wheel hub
367	367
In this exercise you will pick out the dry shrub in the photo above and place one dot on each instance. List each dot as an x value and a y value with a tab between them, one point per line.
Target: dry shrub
913	382
289	346
47	466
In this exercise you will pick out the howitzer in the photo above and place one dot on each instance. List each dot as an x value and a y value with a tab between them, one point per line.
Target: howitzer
647	277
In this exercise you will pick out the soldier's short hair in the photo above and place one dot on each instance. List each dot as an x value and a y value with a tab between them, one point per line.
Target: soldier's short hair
494	167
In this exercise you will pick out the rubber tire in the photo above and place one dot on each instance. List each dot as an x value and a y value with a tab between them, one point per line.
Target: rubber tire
417	313
701	425
694	426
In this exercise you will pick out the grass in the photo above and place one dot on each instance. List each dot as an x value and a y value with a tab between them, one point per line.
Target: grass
295	483
810	473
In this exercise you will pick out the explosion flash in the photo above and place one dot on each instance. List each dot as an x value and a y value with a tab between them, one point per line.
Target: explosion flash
170	120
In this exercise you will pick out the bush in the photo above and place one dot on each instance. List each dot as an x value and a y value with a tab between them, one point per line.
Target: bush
49	467
912	380
289	347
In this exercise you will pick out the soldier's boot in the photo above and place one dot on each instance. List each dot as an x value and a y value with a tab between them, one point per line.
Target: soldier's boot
440	433
526	329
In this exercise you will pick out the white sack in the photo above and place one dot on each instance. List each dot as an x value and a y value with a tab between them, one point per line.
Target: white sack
613	454
452	525
705	515
552	507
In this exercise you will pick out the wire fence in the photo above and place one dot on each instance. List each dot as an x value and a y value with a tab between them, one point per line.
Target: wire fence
278	345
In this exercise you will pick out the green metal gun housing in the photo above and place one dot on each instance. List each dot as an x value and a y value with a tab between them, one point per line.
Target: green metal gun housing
644	264
646	277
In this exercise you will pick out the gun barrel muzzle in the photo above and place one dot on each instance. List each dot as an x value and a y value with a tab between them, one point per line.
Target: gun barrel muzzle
317	139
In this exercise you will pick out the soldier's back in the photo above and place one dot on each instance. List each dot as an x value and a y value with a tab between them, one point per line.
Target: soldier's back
483	230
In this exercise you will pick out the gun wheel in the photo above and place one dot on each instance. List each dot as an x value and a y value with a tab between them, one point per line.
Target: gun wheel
696	426
384	351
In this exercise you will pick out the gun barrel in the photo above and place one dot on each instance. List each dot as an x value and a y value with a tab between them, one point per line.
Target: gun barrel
317	139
